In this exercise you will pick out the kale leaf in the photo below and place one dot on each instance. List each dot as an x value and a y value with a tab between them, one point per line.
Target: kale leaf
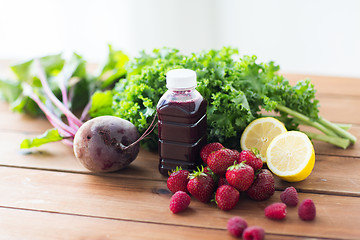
236	88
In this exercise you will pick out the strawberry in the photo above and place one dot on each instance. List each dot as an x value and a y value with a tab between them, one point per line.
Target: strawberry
220	160
208	171
252	158
201	186
240	176
254	233
276	211
237	154
226	197
307	210
179	202
236	226
222	181
263	186
289	196
178	180
208	149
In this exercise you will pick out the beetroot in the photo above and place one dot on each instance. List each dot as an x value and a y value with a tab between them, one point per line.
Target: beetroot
102	144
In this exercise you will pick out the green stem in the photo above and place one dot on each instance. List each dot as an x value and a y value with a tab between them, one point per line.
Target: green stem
344	126
337	141
338	130
307	120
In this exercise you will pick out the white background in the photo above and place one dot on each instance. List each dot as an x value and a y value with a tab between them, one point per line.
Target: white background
302	36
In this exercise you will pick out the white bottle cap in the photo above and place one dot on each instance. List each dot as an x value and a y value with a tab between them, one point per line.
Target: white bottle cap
180	79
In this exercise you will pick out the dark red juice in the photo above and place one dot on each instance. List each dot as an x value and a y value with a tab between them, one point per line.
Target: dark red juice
182	133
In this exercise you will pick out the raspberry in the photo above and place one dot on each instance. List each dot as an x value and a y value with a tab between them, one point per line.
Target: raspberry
179	202
307	210
236	226
254	233
289	196
276	211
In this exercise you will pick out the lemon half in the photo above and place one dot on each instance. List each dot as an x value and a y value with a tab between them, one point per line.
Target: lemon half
259	133
291	156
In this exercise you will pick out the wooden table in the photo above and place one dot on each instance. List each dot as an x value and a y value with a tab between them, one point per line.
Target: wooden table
47	194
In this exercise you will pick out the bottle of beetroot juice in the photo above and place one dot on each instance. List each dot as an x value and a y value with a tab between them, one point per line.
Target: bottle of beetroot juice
182	122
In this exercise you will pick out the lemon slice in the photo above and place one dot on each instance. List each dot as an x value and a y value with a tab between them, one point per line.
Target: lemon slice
259	133
291	156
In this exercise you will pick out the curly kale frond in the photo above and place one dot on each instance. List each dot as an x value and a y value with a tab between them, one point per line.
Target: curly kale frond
238	90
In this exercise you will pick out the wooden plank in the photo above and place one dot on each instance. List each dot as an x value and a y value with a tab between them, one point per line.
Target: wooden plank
11	121
137	198
147	201
323	148
37	225
329	84
50	156
13	137
331	174
44	225
341	109
59	157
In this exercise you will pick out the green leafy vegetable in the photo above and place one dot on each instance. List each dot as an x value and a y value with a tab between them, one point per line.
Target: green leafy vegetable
10	90
101	104
71	74
55	87
51	135
237	90
114	68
